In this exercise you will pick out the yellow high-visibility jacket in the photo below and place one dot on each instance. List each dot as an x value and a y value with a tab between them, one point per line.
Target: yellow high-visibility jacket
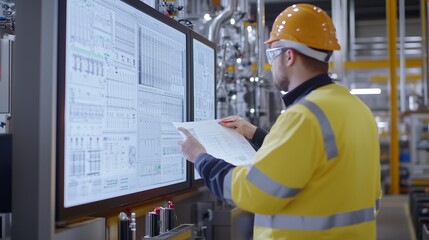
317	173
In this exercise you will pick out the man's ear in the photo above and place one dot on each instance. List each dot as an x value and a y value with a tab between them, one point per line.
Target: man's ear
290	55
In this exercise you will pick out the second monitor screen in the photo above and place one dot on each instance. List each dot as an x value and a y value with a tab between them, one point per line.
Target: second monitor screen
204	83
125	84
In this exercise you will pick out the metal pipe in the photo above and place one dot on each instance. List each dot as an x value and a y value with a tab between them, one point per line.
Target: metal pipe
229	7
261	56
222	68
352	28
260	37
423	17
245	43
391	6
402	79
243	7
345	48
221	91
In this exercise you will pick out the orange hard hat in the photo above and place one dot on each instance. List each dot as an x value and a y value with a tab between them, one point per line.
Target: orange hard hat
305	24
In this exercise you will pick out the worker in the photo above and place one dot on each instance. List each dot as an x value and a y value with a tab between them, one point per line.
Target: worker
316	174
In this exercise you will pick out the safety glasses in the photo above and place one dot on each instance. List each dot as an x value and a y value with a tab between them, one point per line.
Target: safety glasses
272	53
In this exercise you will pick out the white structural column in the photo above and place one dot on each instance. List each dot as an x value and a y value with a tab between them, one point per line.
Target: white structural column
340	19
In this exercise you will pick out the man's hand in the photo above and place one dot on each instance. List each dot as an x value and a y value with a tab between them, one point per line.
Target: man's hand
240	125
190	148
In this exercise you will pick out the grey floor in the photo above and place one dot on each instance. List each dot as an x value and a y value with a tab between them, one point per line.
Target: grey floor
393	221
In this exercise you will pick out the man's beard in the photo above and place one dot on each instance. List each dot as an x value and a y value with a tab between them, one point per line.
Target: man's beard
282	85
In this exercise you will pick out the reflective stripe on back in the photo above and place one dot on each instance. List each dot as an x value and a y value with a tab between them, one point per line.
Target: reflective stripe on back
328	134
227	187
268	185
294	222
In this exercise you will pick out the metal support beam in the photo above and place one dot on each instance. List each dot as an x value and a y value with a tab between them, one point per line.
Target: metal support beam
382	63
391	7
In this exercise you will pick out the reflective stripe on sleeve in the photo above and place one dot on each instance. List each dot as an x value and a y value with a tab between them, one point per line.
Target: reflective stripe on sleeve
227	187
377	204
294	222
268	185
328	133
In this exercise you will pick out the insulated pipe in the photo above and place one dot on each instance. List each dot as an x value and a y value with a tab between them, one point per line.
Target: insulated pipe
229	7
391	6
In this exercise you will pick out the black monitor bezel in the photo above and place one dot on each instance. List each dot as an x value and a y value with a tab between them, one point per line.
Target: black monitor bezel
112	205
6	173
205	41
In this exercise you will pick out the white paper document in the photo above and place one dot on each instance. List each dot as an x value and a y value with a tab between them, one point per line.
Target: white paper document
221	142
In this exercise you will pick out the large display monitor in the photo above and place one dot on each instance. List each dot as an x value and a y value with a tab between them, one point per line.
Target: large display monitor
203	80
123	74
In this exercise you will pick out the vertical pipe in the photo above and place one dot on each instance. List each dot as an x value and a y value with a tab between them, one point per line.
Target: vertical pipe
423	17
244	42
243	7
391	6
402	87
229	7
344	35
261	56
352	29
260	37
336	56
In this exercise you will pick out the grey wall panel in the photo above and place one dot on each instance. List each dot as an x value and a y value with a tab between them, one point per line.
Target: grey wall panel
34	120
5	57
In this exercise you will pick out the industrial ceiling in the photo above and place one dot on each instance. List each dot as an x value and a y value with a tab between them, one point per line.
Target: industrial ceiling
364	9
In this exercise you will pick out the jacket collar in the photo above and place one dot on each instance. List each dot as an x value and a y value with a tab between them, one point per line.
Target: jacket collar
305	88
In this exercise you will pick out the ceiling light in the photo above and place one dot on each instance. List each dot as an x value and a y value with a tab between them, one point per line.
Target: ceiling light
364	91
